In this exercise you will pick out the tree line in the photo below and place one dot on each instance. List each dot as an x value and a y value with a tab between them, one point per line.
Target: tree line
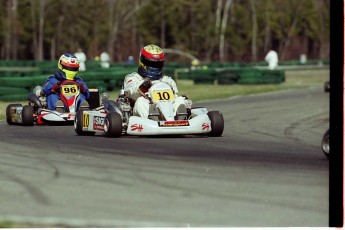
211	30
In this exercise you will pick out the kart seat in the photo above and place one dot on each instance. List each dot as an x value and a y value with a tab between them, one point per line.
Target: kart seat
60	107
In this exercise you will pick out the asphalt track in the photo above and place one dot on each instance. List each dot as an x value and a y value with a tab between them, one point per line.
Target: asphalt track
267	170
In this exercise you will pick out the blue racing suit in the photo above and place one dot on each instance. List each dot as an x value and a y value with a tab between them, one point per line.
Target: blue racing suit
52	98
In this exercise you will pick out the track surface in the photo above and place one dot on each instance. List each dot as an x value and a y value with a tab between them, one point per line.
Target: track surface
266	170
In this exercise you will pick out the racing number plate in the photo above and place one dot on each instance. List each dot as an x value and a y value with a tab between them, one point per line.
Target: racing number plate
70	90
163	95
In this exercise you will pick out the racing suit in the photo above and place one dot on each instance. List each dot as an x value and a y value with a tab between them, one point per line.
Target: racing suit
141	107
52	98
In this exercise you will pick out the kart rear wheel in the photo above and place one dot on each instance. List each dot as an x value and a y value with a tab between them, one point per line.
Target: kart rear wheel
326	87
8	113
78	124
113	124
28	115
325	144
217	123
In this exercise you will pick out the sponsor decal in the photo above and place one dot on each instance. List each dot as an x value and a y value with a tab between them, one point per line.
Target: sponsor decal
71	116
205	126
138	127
40	119
86	120
173	123
98	123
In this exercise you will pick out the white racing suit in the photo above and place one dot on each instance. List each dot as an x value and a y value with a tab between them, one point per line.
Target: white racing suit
141	107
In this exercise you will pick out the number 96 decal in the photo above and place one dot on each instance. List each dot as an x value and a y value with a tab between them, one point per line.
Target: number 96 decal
70	90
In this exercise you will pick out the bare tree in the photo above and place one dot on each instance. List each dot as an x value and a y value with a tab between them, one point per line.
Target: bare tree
321	8
163	22
267	40
218	14
34	29
41	29
222	29
254	30
11	38
119	14
291	30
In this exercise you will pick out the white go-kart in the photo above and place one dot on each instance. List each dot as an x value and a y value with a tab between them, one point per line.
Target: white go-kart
115	118
36	112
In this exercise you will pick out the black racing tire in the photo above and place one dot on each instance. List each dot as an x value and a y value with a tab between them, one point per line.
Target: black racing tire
8	113
326	87
78	124
113	125
325	144
28	115
217	123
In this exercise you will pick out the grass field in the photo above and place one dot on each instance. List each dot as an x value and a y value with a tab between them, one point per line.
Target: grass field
295	79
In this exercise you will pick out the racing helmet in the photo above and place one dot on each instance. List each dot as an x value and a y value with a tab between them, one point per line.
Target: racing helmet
69	65
151	62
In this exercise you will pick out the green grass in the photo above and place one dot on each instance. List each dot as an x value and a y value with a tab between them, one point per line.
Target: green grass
12	224
295	79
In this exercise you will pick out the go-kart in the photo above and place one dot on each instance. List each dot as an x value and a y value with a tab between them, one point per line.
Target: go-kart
115	118
36	111
325	143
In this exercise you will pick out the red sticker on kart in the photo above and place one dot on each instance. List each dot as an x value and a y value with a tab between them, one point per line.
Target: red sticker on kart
173	123
137	127
205	126
70	116
98	123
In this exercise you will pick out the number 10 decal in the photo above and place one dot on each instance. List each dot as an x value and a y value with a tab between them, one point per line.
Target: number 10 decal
86	120
163	95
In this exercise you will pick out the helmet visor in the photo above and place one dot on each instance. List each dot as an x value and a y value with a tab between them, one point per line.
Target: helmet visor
151	63
151	73
70	67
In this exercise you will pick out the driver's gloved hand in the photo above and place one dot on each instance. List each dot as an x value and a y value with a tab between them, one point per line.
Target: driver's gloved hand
56	87
145	85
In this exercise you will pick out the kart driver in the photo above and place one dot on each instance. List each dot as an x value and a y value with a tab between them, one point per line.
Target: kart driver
151	62
68	67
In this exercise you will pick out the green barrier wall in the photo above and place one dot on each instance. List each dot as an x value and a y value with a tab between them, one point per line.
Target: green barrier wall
18	78
237	76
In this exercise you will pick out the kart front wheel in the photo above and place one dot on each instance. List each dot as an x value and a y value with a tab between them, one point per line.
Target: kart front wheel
113	125
79	122
28	115
217	123
325	144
